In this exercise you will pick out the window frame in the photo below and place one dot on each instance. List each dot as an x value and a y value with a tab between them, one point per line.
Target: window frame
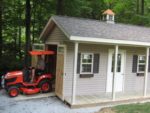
138	63
112	66
81	63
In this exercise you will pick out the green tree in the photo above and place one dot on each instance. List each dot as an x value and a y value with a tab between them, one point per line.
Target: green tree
22	21
1	24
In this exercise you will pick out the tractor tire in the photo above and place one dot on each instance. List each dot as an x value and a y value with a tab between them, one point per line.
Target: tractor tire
45	86
13	91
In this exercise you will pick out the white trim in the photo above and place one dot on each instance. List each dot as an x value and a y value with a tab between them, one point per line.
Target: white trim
114	73
146	71
108	41
74	80
86	63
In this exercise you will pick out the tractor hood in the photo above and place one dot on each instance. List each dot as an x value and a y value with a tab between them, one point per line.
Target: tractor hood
13	74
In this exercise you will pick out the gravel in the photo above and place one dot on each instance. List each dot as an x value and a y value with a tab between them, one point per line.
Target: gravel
40	105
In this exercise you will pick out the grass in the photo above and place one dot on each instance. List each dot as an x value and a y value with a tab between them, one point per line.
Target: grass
133	108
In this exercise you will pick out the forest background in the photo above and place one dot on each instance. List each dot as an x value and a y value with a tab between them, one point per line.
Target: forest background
22	21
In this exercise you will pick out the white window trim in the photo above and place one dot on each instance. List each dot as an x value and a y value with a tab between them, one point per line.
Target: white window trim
86	63
140	64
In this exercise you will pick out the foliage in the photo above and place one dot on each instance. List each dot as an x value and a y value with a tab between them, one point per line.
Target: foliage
13	20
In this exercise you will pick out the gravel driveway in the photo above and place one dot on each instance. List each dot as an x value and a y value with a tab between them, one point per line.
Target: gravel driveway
40	105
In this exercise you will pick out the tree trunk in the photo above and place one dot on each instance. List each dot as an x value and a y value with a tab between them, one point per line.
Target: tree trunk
142	7
19	28
33	25
15	42
28	40
39	19
59	7
15	33
137	7
19	35
1	24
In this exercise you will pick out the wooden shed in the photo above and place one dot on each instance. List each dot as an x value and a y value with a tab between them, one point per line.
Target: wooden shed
98	62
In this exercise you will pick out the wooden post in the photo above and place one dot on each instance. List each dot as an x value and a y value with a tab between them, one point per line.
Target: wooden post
146	71
114	72
74	80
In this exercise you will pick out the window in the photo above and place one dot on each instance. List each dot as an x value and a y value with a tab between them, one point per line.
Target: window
118	63
60	49
38	47
110	17
86	63
141	64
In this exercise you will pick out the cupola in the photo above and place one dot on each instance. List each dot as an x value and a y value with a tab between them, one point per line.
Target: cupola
109	16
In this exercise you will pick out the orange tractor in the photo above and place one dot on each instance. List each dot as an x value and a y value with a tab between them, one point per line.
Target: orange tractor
15	82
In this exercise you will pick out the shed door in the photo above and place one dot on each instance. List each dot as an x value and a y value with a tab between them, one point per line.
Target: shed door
60	71
119	78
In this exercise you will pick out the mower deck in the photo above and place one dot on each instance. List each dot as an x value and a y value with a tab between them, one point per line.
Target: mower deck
30	91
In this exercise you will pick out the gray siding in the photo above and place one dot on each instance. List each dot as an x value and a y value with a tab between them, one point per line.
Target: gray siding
132	81
56	36
85	86
96	84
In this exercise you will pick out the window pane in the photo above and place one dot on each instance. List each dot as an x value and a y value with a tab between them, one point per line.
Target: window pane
86	68
110	17
141	68
61	49
112	66
118	63
141	59
86	58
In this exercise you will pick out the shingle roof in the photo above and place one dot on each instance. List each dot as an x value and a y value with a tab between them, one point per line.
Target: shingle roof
98	29
109	11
